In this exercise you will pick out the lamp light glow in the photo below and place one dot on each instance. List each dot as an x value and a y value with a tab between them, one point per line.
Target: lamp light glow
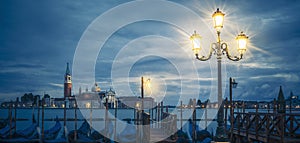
196	43
218	18
138	105
242	40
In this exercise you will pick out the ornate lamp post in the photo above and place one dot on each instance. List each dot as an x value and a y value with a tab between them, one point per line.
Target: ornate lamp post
219	48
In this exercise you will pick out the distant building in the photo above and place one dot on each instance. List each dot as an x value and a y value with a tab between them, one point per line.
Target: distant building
88	100
46	100
293	101
68	83
110	97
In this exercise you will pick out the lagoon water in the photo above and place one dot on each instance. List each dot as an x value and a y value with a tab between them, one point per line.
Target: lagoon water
96	116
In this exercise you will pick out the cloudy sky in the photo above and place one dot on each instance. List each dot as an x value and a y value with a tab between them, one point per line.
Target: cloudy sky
38	38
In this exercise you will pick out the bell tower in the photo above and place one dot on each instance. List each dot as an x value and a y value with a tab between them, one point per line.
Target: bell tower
68	83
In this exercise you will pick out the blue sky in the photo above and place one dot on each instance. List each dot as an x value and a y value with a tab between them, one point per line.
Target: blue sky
38	38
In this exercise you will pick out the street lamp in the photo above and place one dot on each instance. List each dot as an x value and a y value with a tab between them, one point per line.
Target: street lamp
219	48
143	82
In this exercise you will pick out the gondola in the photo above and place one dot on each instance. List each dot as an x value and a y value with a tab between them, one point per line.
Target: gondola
82	134
7	130
202	136
128	135
52	133
27	132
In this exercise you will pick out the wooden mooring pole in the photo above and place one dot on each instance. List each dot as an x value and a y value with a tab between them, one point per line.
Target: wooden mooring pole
43	118
15	117
181	115
75	122
10	119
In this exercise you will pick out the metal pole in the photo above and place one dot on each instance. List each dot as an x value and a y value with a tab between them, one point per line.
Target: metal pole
231	109
220	133
194	121
142	94
142	116
219	58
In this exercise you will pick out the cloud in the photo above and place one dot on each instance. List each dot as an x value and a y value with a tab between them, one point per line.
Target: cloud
39	38
285	76
57	85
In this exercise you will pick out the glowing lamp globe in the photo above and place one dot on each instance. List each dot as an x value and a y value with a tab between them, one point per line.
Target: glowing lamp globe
196	43
242	40
218	18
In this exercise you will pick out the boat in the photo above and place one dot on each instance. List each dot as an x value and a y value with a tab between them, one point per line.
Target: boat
33	134
106	134
202	136
188	128
182	137
82	134
52	133
49	134
7	130
27	132
128	135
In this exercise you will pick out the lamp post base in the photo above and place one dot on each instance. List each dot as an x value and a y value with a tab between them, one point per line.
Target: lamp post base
221	135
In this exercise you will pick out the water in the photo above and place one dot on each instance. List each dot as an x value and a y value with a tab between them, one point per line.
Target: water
96	116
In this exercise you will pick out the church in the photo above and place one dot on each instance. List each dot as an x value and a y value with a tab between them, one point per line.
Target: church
94	98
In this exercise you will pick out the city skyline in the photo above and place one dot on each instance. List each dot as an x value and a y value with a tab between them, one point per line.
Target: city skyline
38	39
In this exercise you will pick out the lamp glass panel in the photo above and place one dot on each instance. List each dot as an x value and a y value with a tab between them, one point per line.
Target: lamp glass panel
242	40
242	43
196	43
218	20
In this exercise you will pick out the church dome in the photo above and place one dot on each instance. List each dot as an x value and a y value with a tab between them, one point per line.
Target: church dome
96	88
